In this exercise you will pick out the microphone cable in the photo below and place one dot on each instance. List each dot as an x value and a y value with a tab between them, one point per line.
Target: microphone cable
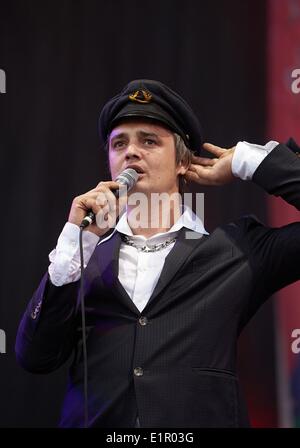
83	327
128	178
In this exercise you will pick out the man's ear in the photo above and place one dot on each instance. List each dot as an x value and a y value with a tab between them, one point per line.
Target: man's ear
182	168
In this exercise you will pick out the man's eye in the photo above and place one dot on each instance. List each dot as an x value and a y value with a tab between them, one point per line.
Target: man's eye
150	142
118	144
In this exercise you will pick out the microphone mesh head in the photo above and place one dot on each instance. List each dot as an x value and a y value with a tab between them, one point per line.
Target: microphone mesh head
128	177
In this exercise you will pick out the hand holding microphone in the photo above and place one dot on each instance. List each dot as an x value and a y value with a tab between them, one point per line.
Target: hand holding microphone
102	203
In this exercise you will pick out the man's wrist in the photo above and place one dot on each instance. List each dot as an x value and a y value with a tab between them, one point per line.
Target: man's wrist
65	258
248	156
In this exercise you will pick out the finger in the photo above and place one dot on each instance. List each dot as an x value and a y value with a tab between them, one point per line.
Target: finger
99	199
88	202
102	201
111	184
200	169
106	197
193	177
204	161
102	218
190	175
107	200
214	149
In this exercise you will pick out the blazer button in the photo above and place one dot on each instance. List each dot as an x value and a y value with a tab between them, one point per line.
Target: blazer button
143	320
138	371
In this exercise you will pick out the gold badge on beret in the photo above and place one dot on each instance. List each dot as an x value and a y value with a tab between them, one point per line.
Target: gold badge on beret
141	96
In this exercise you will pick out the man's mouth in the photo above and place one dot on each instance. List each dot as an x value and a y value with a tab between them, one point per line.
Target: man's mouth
136	168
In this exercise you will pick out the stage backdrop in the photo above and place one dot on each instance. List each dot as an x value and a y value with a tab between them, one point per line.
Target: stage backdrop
283	118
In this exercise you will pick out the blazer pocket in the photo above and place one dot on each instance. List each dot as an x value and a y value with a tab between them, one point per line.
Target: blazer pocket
216	372
206	262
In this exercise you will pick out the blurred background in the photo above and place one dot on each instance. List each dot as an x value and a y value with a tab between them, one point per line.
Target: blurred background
60	61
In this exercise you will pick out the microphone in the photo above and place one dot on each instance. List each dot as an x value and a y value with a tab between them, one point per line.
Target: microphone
128	177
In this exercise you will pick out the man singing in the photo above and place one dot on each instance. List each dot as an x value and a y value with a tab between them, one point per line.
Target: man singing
165	301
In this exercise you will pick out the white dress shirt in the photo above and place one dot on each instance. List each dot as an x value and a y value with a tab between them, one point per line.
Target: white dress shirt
139	271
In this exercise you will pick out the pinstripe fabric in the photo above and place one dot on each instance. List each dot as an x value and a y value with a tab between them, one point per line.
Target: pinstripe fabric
178	369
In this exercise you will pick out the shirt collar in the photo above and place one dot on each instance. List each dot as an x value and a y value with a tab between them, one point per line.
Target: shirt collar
187	219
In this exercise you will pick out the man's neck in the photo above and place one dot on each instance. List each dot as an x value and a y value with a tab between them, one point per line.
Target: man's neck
153	218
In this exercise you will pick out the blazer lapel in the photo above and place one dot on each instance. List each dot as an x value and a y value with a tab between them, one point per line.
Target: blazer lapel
175	259
108	261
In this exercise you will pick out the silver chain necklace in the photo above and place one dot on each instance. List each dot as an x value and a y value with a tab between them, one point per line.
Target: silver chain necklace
145	248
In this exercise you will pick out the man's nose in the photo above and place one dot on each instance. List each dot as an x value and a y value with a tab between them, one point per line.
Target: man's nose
132	151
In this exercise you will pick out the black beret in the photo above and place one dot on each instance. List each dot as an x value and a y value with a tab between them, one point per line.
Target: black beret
150	99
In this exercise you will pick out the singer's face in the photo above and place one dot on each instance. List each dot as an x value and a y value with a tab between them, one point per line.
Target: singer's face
147	147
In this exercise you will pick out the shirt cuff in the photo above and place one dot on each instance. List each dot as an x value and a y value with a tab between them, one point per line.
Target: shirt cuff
247	157
65	258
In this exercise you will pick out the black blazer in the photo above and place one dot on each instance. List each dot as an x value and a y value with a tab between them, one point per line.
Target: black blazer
174	364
